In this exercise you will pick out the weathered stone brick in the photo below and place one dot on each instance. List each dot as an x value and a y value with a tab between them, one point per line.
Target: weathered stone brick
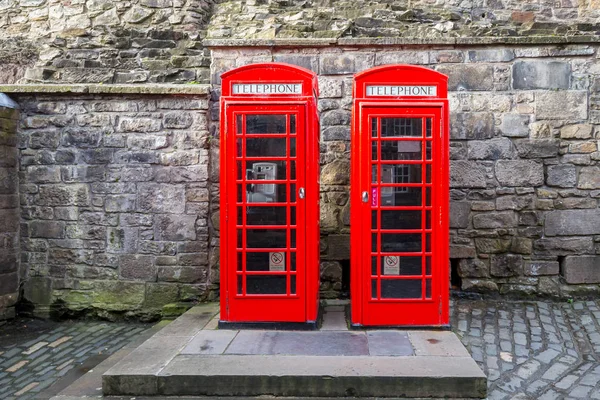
120	203
578	131
47	229
506	265
175	227
182	274
519	173
562	175
467	174
541	75
138	267
541	267
581	269
473	268
346	63
161	198
515	125
495	220
572	222
492	149
121	240
471	125
560	246
459	214
468	76
564	105
539	148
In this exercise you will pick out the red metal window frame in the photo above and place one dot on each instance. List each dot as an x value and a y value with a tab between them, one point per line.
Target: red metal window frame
302	305
430	311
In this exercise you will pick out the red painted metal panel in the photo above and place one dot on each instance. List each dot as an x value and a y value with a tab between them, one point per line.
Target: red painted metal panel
269	264
399	199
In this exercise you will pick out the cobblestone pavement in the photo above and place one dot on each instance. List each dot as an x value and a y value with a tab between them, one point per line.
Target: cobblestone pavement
35	354
533	350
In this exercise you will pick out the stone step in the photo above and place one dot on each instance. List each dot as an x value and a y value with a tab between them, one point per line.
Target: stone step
186	360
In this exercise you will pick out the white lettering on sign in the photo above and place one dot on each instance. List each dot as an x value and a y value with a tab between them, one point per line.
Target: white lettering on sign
277	261
267	88
391	265
389	90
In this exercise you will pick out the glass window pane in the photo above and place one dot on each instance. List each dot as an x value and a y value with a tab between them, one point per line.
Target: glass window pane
292	216
293	261
428	173
266	238
240	256
266	147
374	156
240	285
374	127
266	193
395	219
374	242
428	220
293	170
266	170
263	215
401	242
292	193
428	128
266	123
428	157
265	284
401	289
373	288
410	265
401	127
401	150
238	147
428	196
401	173
238	124
428	289
373	265
293	284
292	147
428	242
293	238
398	196
428	265
293	123
374	224
240	238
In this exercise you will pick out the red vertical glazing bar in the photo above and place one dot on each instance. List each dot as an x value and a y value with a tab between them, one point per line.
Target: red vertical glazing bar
379	256
288	202
423	205
244	206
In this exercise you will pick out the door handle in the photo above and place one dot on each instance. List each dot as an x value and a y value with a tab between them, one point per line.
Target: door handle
301	193
365	196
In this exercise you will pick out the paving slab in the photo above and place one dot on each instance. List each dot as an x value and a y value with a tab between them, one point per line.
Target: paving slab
209	342
389	343
328	343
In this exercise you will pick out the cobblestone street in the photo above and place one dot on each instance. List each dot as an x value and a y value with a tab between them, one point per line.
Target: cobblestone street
529	350
36	354
533	350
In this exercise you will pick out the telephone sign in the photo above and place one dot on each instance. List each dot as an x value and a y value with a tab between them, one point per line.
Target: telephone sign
269	152
399	198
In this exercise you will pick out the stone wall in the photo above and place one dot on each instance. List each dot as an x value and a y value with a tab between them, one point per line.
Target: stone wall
103	41
114	202
524	148
9	208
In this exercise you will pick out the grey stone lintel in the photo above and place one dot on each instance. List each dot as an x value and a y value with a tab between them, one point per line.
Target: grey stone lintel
106	89
404	41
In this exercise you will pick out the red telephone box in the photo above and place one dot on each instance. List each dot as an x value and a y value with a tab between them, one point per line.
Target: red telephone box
269	262
399	198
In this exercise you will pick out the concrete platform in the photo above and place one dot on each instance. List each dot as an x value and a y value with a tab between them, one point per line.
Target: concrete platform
190	357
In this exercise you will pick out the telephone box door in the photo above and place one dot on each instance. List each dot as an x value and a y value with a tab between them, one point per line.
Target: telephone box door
400	203
266	274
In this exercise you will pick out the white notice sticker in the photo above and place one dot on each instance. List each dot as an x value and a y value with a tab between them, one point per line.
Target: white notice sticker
277	261
391	265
